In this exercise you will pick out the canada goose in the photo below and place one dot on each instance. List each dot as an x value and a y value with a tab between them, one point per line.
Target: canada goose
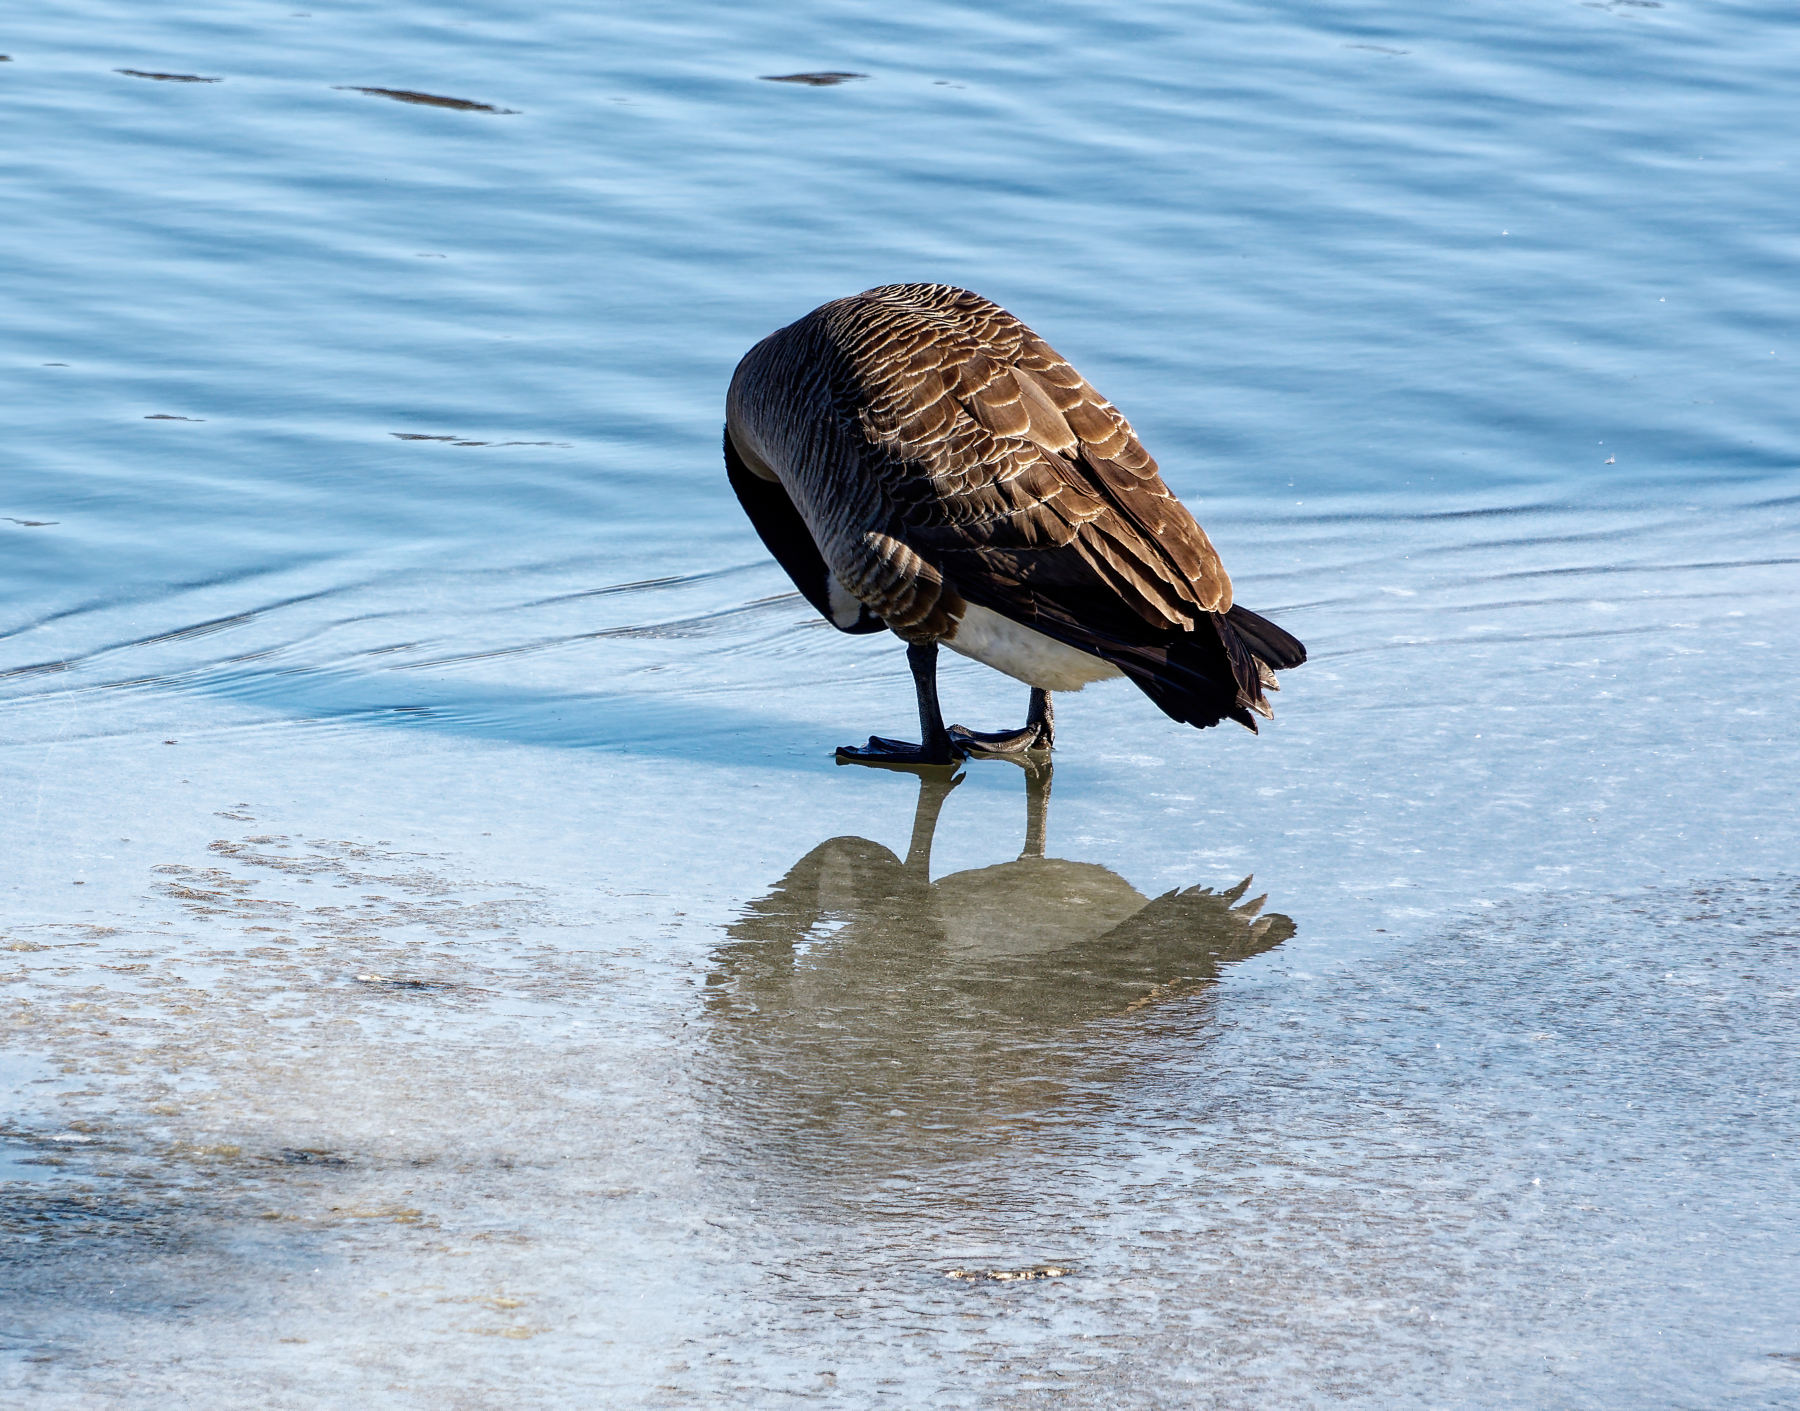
919	460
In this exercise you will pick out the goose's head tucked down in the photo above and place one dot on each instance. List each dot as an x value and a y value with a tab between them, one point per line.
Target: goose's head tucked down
919	460
784	534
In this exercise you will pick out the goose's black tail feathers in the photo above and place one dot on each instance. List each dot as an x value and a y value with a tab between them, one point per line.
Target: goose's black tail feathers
1210	674
1203	677
1281	650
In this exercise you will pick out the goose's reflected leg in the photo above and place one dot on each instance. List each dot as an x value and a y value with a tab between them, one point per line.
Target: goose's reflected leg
935	745
934	788
1037	808
1039	732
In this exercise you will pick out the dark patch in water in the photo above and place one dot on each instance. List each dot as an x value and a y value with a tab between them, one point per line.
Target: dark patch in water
1378	49
30	523
457	441
33	1217
168	77
1007	1276
398	982
812	80
430	100
309	1156
164	416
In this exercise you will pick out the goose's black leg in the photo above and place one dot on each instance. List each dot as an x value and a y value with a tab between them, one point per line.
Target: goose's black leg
1039	732
936	746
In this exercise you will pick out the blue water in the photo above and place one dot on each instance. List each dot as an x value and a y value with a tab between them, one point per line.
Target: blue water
384	656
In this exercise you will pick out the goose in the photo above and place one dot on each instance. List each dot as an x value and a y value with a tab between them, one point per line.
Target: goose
920	462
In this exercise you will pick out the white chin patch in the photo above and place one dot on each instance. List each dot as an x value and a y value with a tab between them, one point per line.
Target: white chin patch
1025	655
846	607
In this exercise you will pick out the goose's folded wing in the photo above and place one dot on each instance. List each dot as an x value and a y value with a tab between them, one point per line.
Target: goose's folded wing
989	445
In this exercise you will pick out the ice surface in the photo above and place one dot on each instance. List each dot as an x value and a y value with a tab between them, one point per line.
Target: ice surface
443	964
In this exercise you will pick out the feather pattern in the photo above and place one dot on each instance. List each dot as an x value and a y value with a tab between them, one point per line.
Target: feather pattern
939	452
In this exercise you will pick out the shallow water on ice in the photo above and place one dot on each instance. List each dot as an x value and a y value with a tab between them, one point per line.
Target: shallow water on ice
443	964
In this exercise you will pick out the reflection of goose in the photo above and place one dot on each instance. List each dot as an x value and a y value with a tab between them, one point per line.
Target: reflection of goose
918	459
859	987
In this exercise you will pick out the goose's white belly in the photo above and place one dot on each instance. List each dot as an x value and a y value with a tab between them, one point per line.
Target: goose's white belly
1026	655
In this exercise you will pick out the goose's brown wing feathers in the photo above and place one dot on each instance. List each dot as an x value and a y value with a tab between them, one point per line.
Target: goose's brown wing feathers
986	441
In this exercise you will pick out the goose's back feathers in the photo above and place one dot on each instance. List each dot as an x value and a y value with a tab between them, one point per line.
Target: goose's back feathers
939	452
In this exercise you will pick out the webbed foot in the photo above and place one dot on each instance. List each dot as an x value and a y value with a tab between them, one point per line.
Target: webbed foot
900	753
998	741
1039	732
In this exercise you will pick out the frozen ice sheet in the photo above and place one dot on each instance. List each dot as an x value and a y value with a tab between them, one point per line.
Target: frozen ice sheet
340	1122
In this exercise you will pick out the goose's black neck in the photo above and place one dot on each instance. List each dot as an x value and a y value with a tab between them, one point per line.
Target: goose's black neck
784	533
